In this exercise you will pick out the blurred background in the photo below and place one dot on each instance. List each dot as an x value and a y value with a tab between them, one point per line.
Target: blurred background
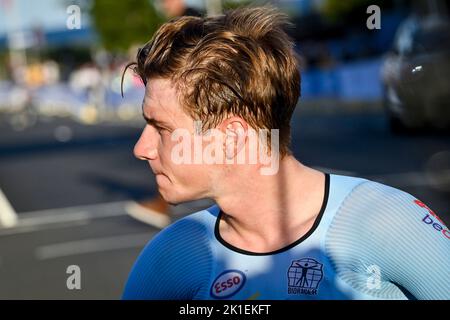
375	103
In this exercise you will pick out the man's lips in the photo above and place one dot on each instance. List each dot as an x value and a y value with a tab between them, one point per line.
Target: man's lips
160	173
155	172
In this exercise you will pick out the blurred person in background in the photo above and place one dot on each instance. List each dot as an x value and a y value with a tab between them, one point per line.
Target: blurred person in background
177	8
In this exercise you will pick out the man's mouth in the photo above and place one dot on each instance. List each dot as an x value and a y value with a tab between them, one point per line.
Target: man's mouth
155	172
159	173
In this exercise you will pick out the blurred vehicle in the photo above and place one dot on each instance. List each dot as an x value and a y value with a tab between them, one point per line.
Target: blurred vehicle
416	75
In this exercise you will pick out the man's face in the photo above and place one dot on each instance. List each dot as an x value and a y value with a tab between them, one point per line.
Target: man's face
164	114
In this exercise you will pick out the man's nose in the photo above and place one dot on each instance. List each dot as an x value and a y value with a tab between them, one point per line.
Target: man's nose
146	146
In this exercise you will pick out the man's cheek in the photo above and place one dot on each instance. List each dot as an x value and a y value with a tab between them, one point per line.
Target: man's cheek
166	150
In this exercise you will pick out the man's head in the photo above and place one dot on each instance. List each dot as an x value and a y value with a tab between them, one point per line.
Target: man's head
232	73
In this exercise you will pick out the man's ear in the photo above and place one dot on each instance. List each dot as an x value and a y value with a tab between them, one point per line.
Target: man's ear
235	130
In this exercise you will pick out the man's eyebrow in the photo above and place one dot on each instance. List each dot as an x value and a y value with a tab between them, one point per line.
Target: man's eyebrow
155	122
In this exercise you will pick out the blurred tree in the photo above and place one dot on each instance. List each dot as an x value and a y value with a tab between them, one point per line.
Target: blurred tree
121	24
234	4
3	65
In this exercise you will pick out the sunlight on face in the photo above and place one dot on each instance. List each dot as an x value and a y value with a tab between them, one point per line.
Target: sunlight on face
164	114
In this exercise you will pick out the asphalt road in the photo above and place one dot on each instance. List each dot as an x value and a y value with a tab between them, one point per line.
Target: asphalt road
69	184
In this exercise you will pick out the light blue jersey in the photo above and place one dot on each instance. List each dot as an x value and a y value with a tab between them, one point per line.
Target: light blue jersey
369	241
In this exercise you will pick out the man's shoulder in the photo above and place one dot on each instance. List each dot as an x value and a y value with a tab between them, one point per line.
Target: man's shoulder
373	200
373	192
367	190
175	263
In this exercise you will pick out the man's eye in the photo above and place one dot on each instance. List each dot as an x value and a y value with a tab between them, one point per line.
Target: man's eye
155	127
159	129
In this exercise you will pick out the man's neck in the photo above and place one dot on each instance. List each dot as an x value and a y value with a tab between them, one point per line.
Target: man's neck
271	211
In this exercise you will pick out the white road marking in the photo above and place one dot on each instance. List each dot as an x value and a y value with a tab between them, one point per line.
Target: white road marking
85	246
52	219
8	217
64	217
36	228
54	214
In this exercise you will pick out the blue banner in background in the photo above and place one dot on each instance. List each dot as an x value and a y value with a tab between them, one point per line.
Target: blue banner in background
351	81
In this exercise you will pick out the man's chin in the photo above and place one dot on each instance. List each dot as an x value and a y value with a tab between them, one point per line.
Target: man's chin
172	202
174	199
170	198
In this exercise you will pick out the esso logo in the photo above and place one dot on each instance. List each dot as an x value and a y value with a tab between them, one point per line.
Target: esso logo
227	284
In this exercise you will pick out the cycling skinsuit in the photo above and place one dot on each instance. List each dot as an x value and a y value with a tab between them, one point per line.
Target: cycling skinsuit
369	241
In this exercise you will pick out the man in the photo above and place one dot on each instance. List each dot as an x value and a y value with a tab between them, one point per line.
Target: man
279	230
